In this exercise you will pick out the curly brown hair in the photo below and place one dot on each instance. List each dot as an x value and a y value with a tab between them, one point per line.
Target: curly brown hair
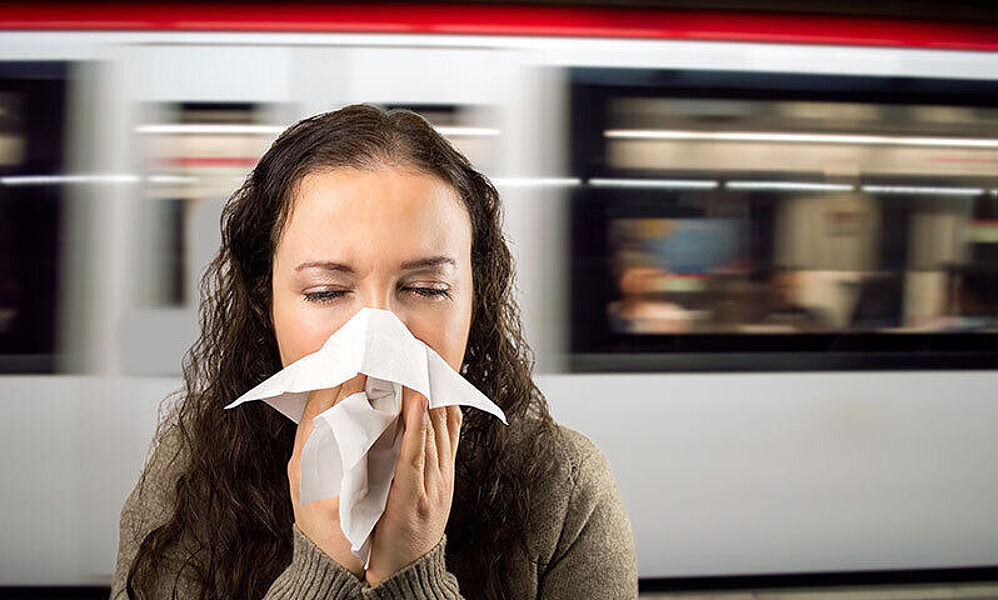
230	528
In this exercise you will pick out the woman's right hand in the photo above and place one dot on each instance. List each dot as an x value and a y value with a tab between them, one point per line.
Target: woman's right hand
320	520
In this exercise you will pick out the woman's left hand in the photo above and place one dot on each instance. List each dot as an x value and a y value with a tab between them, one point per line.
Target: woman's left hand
419	499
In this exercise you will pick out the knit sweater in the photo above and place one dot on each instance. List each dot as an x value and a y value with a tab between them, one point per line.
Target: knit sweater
581	540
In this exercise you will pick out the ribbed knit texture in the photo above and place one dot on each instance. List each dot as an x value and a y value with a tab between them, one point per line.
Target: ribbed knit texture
428	577
579	536
312	574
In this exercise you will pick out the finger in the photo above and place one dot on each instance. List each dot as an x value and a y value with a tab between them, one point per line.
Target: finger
441	435
432	464
293	479
319	401
325	398
454	420
351	387
316	402
304	430
294	483
412	456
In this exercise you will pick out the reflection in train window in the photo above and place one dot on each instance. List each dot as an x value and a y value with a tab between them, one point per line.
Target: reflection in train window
32	187
193	154
782	222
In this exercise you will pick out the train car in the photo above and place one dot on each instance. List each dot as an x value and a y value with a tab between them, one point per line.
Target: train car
757	255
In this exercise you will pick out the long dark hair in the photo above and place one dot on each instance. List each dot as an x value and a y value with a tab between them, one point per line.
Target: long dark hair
230	526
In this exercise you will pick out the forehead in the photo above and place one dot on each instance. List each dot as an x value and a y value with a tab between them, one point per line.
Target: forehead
389	209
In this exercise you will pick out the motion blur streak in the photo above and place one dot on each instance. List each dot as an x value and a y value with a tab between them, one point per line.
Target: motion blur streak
757	254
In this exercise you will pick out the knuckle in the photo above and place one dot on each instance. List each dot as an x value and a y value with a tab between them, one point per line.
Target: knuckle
424	508
418	461
447	481
441	494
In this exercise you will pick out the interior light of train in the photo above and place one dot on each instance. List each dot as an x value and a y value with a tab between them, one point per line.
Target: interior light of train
535	181
67	179
96	179
807	138
918	189
455	131
789	186
209	129
247	129
171	179
674	184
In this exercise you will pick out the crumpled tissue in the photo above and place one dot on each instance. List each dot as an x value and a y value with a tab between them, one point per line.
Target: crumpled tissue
353	449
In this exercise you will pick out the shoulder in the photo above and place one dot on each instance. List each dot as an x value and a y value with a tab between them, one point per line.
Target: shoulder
154	493
581	468
152	500
579	453
575	460
578	488
570	452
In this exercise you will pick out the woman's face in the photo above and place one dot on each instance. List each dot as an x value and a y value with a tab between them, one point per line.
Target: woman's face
389	238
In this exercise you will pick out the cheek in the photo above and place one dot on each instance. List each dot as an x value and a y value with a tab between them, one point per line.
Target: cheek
448	339
445	331
299	330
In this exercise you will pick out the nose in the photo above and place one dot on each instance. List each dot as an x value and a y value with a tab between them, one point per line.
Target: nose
378	294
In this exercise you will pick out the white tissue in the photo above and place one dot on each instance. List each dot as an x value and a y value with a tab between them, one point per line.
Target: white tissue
353	449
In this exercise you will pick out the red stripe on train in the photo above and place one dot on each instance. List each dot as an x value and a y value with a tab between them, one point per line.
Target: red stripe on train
565	21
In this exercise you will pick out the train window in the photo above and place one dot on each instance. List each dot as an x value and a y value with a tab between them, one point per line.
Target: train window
729	221
195	154
32	141
192	156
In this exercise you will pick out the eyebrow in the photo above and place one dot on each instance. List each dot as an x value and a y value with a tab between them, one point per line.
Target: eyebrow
428	262
409	265
325	266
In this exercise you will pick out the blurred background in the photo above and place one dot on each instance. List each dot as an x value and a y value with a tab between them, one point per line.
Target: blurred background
756	242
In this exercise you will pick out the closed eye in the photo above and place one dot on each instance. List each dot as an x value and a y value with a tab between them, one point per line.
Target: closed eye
429	292
325	295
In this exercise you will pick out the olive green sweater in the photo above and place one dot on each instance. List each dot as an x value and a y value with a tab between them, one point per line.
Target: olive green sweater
582	542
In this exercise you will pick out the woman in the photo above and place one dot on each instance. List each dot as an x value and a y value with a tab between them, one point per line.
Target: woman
362	207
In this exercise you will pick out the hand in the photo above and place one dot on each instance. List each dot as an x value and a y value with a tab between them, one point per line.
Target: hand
419	499
320	520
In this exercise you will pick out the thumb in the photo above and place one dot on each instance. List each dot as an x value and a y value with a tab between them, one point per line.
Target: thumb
351	387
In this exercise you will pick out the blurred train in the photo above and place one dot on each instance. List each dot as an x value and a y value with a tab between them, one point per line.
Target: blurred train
756	255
